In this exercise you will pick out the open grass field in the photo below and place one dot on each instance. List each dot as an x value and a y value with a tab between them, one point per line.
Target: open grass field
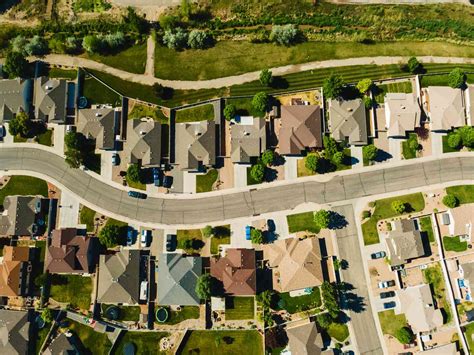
45	138
384	89
132	59
73	289
145	342
92	342
390	322
301	222
238	308
434	276
195	114
204	182
23	185
464	193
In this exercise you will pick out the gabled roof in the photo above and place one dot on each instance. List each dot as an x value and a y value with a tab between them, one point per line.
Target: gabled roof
98	124
19	215
404	242
247	140
462	220
70	253
50	99
446	107
143	142
177	278
195	143
119	277
468	273
15	96
301	128
297	263
11	270
14	332
348	120
305	339
236	271
402	114
62	345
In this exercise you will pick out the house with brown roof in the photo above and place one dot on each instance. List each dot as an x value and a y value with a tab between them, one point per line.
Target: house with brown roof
446	108
15	270
236	271
300	129
70	253
296	264
404	242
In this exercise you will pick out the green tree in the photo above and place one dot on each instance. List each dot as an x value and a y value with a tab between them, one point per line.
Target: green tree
328	291
175	39
257	172
457	78
413	65
330	147
109	235
324	320
368	102
230	111
322	218
168	22
133	173
199	39
450	201
20	124
268	157
40	280
256	236
203	286
404	335
92	44
338	158
47	315
285	35
74	158
454	140
266	77
311	162
36	46
333	86
369	152
265	298
366	214
16	65
413	144
135	22
260	102
207	231
398	206
467	136
72	140
364	85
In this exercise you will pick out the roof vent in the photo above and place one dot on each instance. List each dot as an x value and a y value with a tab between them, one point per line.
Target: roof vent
47	87
97	114
403	107
349	109
142	133
198	134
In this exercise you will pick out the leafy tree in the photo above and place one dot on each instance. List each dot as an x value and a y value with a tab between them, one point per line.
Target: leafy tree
364	85
230	111
275	338
109	235
57	46
176	39
19	43
92	44
260	102
413	65
36	46
268	157
266	77
199	39
330	147
333	86
74	158
467	135
457	78
47	315
338	158
20	124
72	44
256	236
322	218
133	173
366	214
135	22
331	304
16	65
188	244
450	201
207	231
72	141
40	280
324	320
413	144
368	102
285	35
404	335
257	172
168	22
203	286
398	206
369	152
311	162
265	298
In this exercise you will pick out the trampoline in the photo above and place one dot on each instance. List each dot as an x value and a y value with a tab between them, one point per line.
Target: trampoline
112	313
161	315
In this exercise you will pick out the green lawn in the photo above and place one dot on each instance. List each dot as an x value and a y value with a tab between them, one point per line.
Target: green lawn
301	222
383	89
426	226
98	93
132	59
301	168
194	235
229	342
45	138
145	342
135	185
338	331
238	308
434	276
454	244
204	182
407	151
186	312
62	73
221	236
23	185
300	303
73	289
195	114
19	139
39	335
383	210
464	193
244	107
92	342
86	216
390	322
141	111
447	148
127	313
469	333
440	80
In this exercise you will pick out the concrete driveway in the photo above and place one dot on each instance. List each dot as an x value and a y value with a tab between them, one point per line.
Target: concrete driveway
240	175
106	165
291	168
68	210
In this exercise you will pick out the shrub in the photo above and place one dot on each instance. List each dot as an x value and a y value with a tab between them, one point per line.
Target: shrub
285	35
467	135
16	65
176	39
322	218
47	315
207	231
366	214
268	157
398	206
19	43
260	101
413	65
199	40
203	286
450	201
133	173
109	235
457	78
92	44
256	236
369	152
324	320
404	335
328	293
338	158
20	124
113	40
37	46
257	172
229	111
333	86
454	140
57	46
414	145
311	162
168	22
364	85
368	102
266	77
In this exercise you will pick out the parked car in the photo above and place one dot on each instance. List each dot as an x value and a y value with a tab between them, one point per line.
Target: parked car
70	128
115	159
247	232
378	255
170	242
387	294
157	180
137	194
2	131
389	305
167	181
386	284
130	237
144	238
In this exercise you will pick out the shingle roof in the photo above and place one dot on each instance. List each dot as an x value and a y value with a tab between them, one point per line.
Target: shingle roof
19	215
143	142
50	99
404	242
348	120
446	108
402	114
62	345
247	140
236	271
468	273
301	128
98	124
12	268
15	95
177	277
305	339
14	332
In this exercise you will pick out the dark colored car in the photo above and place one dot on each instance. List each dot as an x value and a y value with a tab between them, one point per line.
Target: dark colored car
387	294
378	255
130	236
389	305
167	181
137	194
157	177
170	242
115	159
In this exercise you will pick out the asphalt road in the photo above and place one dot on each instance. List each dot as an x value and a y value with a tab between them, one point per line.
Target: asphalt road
220	207
360	310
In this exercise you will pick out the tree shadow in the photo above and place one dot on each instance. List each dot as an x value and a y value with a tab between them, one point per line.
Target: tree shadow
349	299
350	92
382	156
279	160
270	174
220	231
279	82
336	220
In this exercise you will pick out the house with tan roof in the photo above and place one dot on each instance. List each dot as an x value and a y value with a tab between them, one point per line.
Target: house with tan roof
143	144
296	264
248	139
402	114
15	270
236	270
99	125
348	121
460	220
300	129
404	242
416	302
22	216
446	108
70	253
50	99
305	339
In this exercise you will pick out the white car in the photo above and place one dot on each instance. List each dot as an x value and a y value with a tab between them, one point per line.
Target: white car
386	284
144	238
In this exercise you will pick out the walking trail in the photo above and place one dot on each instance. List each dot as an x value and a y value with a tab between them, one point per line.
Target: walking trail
150	56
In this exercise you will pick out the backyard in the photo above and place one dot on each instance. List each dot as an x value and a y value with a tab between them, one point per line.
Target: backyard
391	323
238	308
145	342
186	312
299	303
144	111
62	73
126	313
92	342
426	226
454	244
195	114
464	193
302	222
23	185
434	276
338	331
381	90
98	93
73	289
205	182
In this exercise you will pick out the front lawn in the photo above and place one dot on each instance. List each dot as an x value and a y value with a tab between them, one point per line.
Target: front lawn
426	226
454	244
408	150
302	222
464	193
186	312
302	170
87	216
229	342
221	236
447	148
383	210
390	322
73	289
205	182
45	138
23	185
92	342
469	333
127	313
299	303
238	308
195	114
338	331
145	342
135	185
195	238
434	276
132	59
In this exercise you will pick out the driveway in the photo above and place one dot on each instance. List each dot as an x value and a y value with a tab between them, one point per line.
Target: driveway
395	148
356	152
106	165
237	235
189	182
240	175
291	168
437	143
68	210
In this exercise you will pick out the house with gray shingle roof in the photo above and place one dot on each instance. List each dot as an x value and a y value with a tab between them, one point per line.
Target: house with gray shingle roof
195	145
177	278
248	139
100	125
348	121
446	108
63	344
15	96
143	143
20	215
50	99
119	277
14	332
404	242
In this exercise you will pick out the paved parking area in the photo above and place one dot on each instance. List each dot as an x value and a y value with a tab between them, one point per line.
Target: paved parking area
437	143
237	235
106	164
356	152
395	149
59	132
189	182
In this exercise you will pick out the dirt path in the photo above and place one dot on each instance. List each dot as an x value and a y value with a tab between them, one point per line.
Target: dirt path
150	56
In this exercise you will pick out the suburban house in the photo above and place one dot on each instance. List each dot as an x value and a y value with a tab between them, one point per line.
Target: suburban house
459	221
15	332
177	277
143	143
119	277
22	216
71	253
305	339
50	99
296	264
100	125
15	269
404	242
348	121
16	95
445	108
466	272
402	114
195	145
416	302
300	129
236	271
63	344
248	139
